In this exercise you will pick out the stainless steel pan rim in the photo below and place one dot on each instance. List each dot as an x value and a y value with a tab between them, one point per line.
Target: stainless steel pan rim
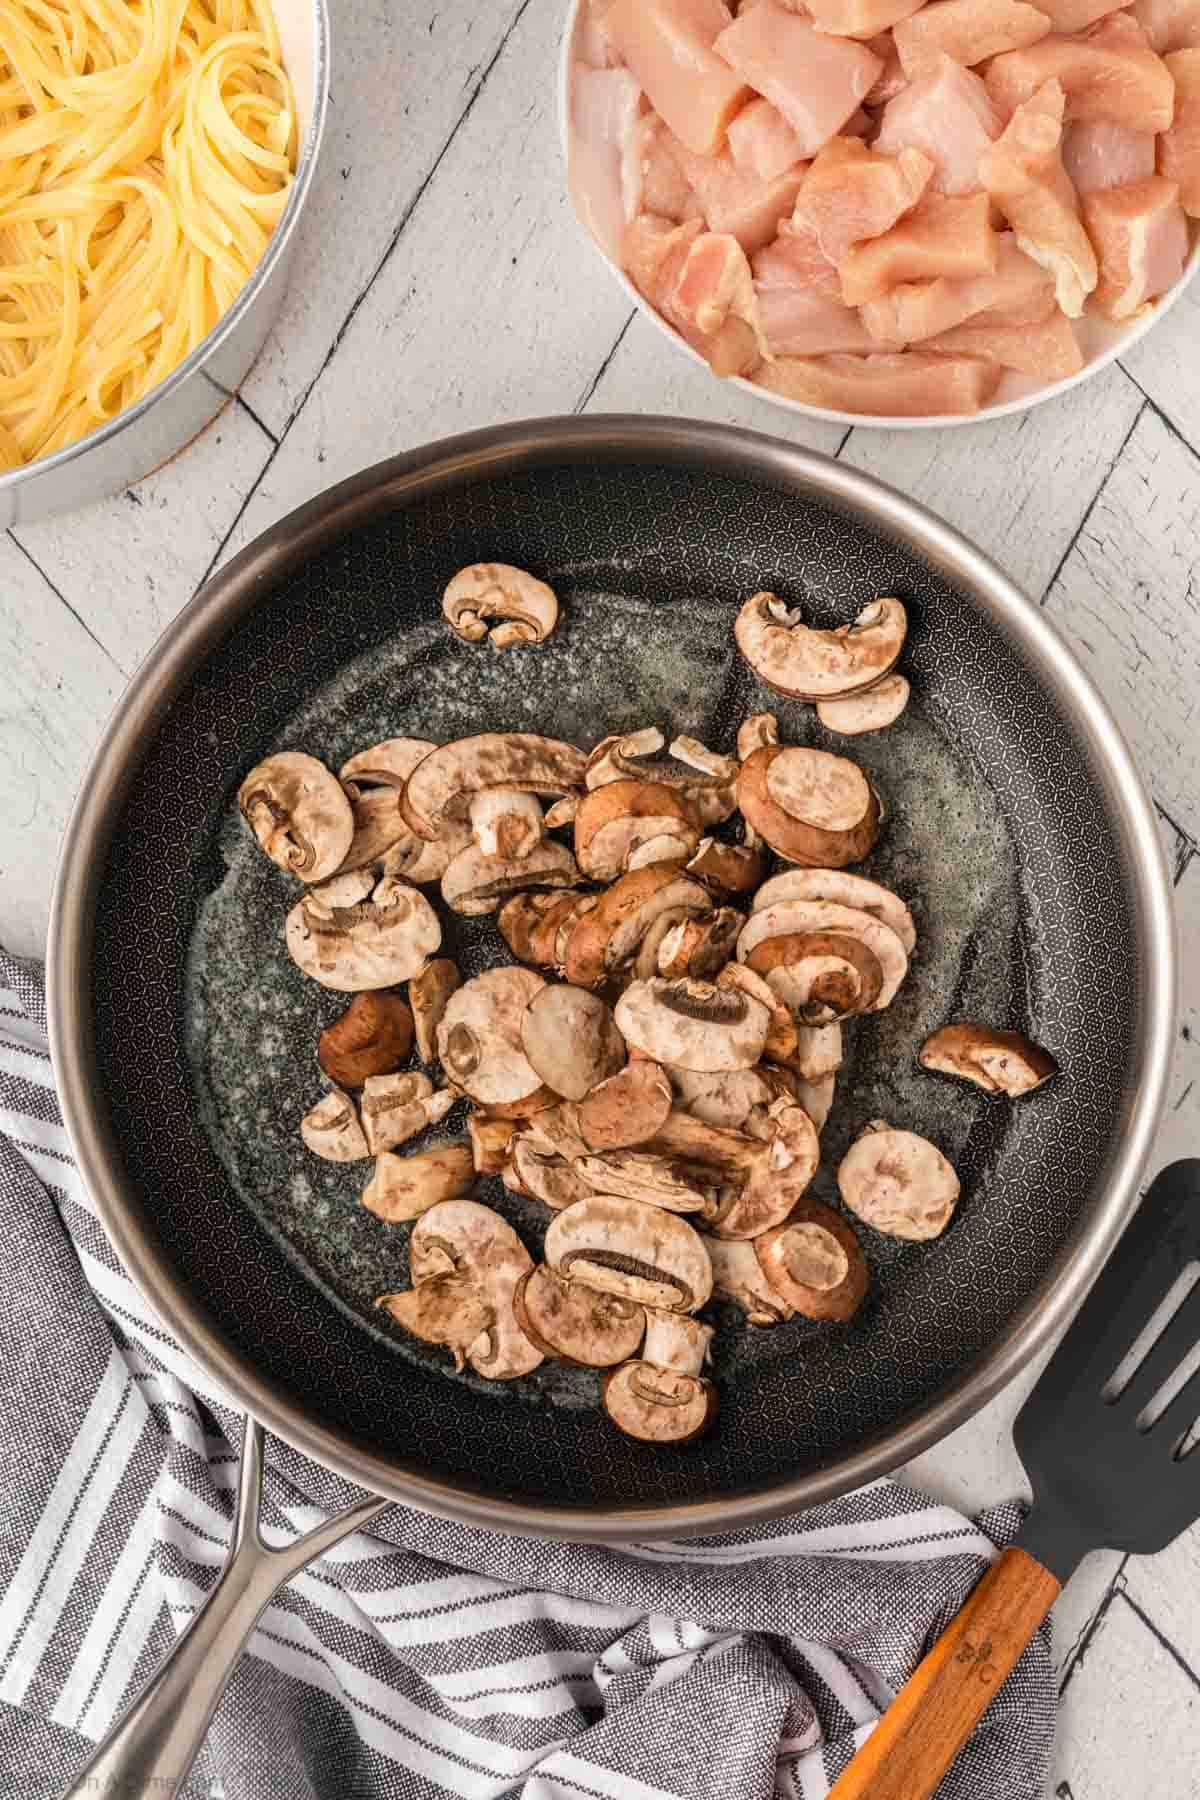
288	543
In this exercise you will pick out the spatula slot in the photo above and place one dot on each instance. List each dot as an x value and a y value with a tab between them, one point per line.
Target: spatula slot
1169	1391
1175	1297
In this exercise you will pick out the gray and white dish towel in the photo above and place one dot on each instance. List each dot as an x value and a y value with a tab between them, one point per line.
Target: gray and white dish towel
422	1659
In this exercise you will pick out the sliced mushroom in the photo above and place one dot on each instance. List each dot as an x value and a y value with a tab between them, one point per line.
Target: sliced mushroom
479	1037
618	821
819	1052
506	823
475	884
441	788
331	1129
782	1030
300	814
725	1099
728	868
677	1342
815	1263
844	889
535	926
786	917
358	944
379	824
738	1276
607	936
556	1131
999	1062
785	1164
463	1239
562	812
491	1143
656	1180
806	664
693	1024
821	976
570	1039
815	1094
708	784
759	732
385	765
527	607
404	1187
372	1037
575	1323
624	1247
446	1309
645	963
811	807
657	1406
874	710
396	1108
543	1175
700	947
625	1110
429	995
898	1182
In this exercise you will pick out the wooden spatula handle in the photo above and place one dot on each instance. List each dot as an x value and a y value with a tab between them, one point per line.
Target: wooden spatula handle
935	1712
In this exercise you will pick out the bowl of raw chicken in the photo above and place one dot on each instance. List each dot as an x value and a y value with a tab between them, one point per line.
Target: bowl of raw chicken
891	212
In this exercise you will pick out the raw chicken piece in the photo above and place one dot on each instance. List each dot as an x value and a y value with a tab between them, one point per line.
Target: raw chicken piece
800	321
1049	350
943	236
1141	238
947	114
591	41
969	31
665	190
891	78
796	259
1024	174
668	45
762	142
815	81
858	18
1077	15
851	193
1019	293
904	386
605	171
701	283
732	201
1097	153
1111	73
1179	148
1169	24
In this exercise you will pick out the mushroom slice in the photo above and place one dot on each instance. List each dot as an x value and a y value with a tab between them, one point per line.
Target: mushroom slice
421	862
814	1263
815	1094
693	1024
708	785
759	732
570	1039
378	825
873	710
475	883
385	765
821	976
779	1174
440	789
358	944
677	1342
782	1031
506	823
617	821
625	1247
728	868
372	1037
898	1182
657	1406
607	936
429	995
645	963
479	1037
738	1276
999	1062
543	1175
474	1243
527	607
562	812
626	1109
529	923
331	1129
404	1187
556	1130
785	917
700	947
811	807
819	665
656	1180
845	889
725	1099
819	1052
396	1107
575	1323
447	1309
300	814
491	1143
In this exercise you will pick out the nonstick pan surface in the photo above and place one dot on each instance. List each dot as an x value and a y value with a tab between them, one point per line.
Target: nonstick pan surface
1017	830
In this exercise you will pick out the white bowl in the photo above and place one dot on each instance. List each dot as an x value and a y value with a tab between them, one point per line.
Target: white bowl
1102	343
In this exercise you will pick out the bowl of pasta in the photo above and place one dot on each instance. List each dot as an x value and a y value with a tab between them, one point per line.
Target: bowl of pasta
154	162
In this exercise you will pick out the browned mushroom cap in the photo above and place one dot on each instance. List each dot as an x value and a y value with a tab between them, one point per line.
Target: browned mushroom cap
385	765
782	1030
625	1247
300	814
844	889
728	868
447	1309
811	807
570	1039
759	732
491	1143
351	943
475	884
331	1129
626	1109
379	824
471	1241
627	824
656	1405
738	1276
479	1037
819	665
821	976
576	1323
527	606
798	917
873	710
396	1108
535	926
999	1062
506	823
538	1101
429	995
815	1262
372	1037
441	788
656	1180
607	936
785	1164
707	782
725	1099
700	947
693	1024
645	963
404	1187
542	1175
899	1183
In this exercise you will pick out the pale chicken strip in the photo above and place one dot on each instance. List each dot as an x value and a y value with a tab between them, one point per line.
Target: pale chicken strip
815	81
1024	175
1141	238
800	321
891	79
909	385
950	237
1179	148
668	47
968	31
1169	24
605	168
796	259
948	115
850	193
1049	350
858	18
762	142
664	189
732	201
1097	154
1019	293
1076	15
1108	73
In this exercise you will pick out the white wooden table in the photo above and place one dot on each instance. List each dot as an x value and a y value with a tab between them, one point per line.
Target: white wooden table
442	285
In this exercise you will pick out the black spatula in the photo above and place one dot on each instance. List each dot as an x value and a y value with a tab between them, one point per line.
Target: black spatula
1107	1439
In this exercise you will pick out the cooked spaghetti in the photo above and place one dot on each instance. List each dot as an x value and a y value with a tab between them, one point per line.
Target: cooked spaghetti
146	152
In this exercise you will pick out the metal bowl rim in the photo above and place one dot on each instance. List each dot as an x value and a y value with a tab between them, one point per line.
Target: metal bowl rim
183	648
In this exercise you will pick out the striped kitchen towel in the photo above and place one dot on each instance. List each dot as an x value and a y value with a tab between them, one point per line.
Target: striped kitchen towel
422	1659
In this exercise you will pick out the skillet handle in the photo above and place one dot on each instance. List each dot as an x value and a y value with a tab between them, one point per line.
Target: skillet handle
936	1710
150	1750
